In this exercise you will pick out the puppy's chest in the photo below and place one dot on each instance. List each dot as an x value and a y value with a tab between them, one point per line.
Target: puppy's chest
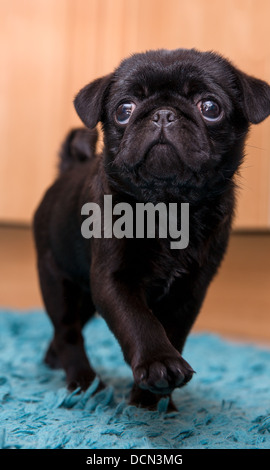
160	267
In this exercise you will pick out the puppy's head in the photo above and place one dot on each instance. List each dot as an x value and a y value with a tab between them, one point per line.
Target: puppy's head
174	118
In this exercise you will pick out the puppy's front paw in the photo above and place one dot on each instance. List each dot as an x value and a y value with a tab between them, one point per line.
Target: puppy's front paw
163	374
82	378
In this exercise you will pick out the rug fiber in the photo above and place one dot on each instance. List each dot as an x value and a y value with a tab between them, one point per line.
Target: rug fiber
226	405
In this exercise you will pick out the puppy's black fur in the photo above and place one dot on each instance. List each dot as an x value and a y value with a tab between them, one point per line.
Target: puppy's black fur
167	151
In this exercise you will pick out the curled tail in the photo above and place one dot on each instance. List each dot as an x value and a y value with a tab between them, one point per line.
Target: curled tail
78	147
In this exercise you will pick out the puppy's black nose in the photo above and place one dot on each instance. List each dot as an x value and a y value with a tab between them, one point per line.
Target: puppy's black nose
163	117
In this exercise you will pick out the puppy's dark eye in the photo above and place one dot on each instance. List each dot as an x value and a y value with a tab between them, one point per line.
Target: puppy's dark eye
210	110
123	112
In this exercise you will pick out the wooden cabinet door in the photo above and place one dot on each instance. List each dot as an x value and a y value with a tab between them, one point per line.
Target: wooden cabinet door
34	96
50	49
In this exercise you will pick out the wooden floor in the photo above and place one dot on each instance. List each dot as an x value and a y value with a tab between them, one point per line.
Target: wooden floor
237	303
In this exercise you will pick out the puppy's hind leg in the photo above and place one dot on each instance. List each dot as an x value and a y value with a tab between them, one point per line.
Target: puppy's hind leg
68	308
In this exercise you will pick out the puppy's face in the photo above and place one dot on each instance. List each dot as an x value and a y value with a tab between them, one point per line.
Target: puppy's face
174	118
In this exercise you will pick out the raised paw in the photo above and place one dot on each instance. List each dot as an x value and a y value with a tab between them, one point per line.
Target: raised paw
163	374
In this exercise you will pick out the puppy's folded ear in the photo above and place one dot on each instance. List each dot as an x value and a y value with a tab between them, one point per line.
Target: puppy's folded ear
256	98
90	100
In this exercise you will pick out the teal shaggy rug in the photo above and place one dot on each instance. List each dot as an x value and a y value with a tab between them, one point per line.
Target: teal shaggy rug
225	406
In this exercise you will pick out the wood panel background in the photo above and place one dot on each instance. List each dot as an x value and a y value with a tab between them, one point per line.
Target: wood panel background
49	49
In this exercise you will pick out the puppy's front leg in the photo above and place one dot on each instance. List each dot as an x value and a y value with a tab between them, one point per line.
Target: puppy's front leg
157	366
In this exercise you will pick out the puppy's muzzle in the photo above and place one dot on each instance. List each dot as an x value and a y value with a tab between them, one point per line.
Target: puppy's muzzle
163	117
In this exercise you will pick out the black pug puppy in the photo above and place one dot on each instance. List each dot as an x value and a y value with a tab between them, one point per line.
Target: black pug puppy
174	127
